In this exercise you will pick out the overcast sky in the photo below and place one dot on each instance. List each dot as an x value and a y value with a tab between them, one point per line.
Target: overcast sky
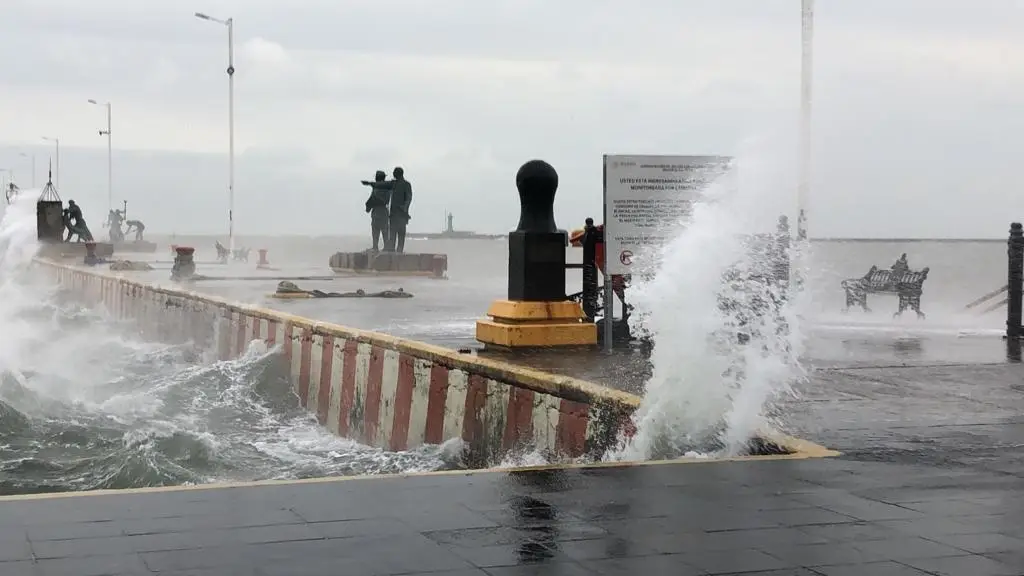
918	120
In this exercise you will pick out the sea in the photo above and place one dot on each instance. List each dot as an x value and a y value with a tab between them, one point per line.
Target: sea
85	404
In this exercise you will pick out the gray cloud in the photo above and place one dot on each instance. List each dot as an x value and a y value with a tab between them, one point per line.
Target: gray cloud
917	113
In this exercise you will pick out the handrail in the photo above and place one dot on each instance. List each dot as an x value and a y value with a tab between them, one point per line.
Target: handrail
988	297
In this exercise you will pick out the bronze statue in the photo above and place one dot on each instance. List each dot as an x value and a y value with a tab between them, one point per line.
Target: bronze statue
75	223
114	220
401	199
139	228
377	207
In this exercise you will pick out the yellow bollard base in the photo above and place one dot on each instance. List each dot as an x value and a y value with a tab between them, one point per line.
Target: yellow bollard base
535	325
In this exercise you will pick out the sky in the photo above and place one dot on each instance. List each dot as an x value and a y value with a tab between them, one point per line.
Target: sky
918	113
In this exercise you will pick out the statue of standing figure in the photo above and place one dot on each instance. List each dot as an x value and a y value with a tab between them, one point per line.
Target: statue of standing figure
114	220
397	197
377	208
75	223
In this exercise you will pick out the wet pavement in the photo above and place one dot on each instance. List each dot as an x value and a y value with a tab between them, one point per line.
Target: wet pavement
929	420
928	482
831	516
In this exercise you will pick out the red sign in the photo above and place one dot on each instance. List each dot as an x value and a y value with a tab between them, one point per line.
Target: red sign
626	257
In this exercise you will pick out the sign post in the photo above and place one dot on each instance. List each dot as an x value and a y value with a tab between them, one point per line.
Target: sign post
646	198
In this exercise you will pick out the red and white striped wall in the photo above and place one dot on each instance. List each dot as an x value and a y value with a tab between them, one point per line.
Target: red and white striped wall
370	391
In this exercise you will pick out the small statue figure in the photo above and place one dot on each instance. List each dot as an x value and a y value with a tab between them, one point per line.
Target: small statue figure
401	200
114	220
222	253
901	266
139	228
75	223
377	207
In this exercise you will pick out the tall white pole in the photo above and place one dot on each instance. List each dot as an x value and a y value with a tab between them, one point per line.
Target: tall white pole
806	85
110	156
231	134
230	23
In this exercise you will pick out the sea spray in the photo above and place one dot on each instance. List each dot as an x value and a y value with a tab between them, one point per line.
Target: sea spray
726	340
18	246
86	404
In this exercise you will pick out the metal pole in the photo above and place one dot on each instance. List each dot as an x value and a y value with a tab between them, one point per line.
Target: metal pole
609	303
806	84
231	134
110	164
1015	281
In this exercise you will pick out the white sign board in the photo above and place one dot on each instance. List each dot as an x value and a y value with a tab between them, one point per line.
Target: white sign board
646	197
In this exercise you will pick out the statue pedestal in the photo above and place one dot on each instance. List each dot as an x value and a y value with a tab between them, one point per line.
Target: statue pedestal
135	246
369	263
519	324
74	249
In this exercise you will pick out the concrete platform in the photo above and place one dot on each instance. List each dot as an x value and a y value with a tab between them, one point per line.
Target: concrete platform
809	517
135	246
368	263
74	250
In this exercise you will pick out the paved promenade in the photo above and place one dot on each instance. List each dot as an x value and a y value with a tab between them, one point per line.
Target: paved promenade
811	517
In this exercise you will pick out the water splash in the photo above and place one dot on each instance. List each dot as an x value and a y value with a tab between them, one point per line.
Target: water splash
85	404
725	343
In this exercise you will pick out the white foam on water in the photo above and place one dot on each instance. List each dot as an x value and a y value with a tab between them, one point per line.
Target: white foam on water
708	392
88	404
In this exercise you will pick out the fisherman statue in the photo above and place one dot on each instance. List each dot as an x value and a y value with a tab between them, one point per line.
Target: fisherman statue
377	208
400	191
75	223
401	200
139	228
114	220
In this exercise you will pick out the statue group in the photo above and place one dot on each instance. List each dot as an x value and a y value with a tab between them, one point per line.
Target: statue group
75	224
119	227
388	207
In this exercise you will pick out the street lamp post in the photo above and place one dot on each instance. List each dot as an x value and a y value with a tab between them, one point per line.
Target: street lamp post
56	143
230	24
110	156
33	157
806	85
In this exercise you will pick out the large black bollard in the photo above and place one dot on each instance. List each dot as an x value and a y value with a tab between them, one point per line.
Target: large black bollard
537	312
90	254
536	249
184	267
1014	280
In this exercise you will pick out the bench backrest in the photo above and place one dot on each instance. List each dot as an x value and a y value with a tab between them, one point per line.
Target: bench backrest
880	279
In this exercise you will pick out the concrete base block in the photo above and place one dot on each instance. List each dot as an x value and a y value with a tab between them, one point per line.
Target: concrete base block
389	264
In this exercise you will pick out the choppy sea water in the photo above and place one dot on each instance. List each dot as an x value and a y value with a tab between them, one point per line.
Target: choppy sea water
86	404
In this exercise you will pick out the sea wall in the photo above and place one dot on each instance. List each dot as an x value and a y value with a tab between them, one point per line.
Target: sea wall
383	391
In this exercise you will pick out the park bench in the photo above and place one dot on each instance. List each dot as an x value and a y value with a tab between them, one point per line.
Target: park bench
906	285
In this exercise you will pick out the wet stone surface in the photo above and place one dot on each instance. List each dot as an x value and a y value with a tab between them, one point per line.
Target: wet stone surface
812	517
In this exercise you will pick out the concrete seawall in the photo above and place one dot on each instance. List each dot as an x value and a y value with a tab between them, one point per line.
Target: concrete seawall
386	392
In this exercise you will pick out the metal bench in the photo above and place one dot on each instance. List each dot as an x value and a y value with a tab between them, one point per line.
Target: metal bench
905	285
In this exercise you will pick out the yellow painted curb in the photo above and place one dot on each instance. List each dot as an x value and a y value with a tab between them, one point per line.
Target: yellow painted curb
811	451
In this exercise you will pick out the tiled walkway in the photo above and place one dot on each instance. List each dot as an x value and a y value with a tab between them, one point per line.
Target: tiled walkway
809	517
